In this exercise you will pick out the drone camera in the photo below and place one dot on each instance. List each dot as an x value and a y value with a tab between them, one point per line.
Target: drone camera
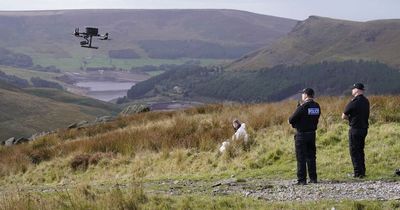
84	42
92	31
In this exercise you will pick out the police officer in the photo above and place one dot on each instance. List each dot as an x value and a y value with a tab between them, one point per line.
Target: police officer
305	120
357	113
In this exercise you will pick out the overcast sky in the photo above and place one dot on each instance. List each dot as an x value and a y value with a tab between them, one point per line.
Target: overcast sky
361	10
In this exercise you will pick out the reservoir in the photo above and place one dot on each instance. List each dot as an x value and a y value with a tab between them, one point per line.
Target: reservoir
105	90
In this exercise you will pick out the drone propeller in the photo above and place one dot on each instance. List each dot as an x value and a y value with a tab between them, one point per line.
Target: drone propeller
105	37
76	32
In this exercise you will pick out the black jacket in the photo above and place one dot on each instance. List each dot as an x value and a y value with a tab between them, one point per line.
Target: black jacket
306	116
358	112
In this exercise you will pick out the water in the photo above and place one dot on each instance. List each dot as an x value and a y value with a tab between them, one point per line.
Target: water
106	90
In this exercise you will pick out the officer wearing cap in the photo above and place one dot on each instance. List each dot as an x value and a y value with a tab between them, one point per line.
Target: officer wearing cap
305	120
357	113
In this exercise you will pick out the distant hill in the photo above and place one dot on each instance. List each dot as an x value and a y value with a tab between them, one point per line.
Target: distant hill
142	33
24	112
323	39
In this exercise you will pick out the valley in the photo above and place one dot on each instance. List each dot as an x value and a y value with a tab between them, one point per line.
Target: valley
138	122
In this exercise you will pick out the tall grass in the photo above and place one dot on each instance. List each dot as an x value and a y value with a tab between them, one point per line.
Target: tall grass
201	130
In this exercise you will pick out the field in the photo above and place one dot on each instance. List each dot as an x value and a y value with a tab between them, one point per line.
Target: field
127	163
28	74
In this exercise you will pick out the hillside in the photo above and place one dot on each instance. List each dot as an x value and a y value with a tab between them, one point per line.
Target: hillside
323	39
27	111
46	35
269	84
169	160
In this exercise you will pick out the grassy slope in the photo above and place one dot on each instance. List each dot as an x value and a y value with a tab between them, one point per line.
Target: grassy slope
24	112
182	145
28	74
317	39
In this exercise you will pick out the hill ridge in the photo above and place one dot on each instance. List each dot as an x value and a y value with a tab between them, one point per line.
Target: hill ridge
319	39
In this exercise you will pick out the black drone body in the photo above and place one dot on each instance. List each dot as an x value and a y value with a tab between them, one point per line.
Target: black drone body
88	35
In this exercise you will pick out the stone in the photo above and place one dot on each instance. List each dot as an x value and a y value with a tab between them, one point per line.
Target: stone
38	135
21	140
9	142
82	124
73	125
135	109
104	119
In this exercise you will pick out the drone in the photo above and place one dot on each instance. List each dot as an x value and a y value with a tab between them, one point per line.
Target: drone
88	35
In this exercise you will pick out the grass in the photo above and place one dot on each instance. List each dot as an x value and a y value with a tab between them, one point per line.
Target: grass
190	139
181	145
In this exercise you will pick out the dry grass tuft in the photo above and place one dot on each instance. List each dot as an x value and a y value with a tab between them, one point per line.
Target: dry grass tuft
82	161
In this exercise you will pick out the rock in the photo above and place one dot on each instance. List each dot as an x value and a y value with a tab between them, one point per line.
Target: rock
176	182
9	142
83	124
38	135
104	119
230	181
134	109
73	125
21	140
217	184
3	142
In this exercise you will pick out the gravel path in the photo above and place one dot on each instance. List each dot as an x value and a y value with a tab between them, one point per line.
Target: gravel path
284	190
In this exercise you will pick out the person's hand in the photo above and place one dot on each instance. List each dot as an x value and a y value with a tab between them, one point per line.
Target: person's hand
345	117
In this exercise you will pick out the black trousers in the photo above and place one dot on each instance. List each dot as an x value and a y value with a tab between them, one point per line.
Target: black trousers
356	146
306	156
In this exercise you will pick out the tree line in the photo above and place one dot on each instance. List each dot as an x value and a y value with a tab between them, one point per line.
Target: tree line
272	84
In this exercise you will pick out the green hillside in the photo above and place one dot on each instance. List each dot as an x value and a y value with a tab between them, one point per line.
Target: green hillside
323	39
157	159
27	111
269	84
46	36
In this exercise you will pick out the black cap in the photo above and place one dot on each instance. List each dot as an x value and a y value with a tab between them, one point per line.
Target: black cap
308	91
359	86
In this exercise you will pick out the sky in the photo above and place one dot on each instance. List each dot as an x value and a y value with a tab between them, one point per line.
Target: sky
358	10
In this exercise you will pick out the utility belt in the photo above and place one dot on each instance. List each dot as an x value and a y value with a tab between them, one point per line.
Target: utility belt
352	128
305	132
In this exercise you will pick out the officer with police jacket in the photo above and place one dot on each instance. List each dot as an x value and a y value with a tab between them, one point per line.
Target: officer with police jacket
305	120
357	113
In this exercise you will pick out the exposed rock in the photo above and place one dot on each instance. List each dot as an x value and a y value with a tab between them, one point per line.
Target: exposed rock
83	124
104	119
21	140
38	135
73	125
9	142
134	109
